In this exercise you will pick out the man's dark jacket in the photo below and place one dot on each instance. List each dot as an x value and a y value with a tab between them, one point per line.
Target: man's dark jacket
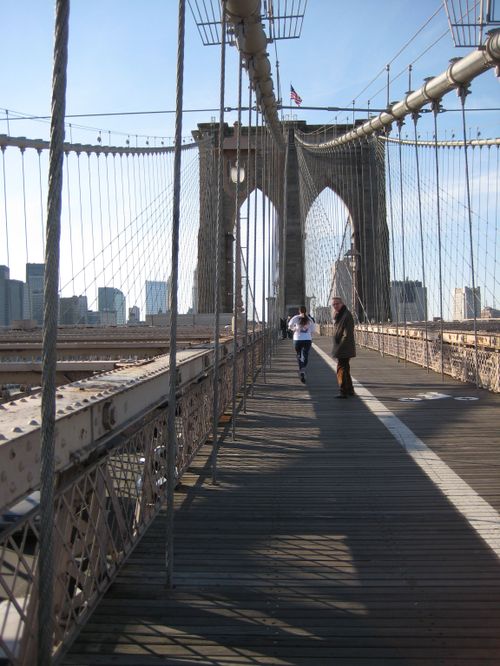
343	334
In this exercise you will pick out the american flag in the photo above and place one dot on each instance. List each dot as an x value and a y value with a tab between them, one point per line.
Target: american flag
295	96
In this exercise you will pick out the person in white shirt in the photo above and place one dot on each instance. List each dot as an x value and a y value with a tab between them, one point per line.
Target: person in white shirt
302	326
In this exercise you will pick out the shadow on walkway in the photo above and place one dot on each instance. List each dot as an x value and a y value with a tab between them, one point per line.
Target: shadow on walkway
323	542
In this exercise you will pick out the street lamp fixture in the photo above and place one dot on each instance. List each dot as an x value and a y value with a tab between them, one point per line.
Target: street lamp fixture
237	175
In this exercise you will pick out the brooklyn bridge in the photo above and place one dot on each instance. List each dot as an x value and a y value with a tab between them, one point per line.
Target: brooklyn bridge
170	491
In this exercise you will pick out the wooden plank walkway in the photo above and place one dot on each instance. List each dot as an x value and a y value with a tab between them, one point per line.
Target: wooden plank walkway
324	542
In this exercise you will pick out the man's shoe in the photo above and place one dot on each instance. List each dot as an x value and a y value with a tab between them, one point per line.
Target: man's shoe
341	396
303	377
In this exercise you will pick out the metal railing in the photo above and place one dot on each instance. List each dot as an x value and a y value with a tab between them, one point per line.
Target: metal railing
106	497
454	354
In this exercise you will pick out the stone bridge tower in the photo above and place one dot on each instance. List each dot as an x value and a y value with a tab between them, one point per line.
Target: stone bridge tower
356	174
207	137
355	171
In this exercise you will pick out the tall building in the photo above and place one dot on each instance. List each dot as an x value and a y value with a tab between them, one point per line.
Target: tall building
73	310
4	297
465	301
408	300
195	291
12	298
34	284
134	315
112	306
16	293
93	318
156	297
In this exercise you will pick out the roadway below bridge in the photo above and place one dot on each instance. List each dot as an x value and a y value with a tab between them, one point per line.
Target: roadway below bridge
361	531
83	351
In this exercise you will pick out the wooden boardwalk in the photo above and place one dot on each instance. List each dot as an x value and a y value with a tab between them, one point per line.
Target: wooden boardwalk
324	541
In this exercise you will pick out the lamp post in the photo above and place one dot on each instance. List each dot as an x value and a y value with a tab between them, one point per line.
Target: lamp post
237	175
233	173
352	256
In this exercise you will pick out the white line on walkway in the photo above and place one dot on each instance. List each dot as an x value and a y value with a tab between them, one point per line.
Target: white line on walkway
481	515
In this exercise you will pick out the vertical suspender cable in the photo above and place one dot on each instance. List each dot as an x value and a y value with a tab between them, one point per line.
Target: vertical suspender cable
393	252
91	219
247	250
82	235
219	221
5	205
276	244
237	254
108	206
436	106
403	258
263	278
415	117
128	244
488	170
40	189
24	204
125	225
358	151
254	263
70	226
99	195
463	92
270	293
115	188
49	339
284	213
270	306
371	147
495	252
355	150
171	433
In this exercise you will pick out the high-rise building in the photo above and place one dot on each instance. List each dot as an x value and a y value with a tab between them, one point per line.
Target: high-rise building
156	297
134	315
490	313
111	301
465	301
195	291
93	318
4	297
12	298
408	300
34	284
73	310
16	290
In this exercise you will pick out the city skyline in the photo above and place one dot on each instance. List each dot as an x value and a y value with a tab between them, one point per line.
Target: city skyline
18	301
408	300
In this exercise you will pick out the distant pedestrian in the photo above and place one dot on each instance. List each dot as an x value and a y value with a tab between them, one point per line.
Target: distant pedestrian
302	327
344	346
283	328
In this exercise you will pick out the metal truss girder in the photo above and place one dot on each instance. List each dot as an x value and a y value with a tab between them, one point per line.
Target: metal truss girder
88	414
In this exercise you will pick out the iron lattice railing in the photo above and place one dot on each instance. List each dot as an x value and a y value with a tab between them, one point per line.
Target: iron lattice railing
101	512
457	358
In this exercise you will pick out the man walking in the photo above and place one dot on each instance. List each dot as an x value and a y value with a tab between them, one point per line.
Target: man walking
344	346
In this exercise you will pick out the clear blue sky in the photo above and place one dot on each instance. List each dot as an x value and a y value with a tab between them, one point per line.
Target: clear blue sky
122	57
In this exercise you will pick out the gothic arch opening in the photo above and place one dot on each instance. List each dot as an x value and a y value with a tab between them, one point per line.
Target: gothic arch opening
329	257
260	254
